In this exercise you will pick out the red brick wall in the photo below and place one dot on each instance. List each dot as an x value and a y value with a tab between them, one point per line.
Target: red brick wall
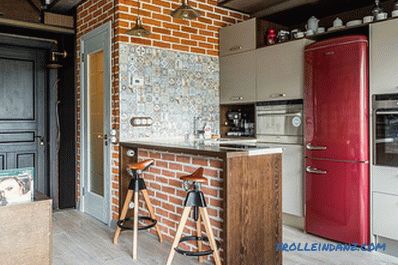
168	195
197	36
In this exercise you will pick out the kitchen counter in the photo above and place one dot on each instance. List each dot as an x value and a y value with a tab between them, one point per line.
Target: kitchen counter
208	147
243	193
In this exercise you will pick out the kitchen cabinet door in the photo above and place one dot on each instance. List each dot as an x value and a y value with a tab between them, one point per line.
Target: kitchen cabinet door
292	179
238	38
383	57
280	71
238	78
385	179
385	215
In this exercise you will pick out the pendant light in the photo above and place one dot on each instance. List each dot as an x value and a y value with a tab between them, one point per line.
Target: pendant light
185	11
138	29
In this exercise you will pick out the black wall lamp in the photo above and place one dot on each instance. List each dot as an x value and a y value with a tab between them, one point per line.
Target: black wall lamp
54	63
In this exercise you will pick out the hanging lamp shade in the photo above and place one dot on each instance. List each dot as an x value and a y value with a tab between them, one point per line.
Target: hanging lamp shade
185	12
138	29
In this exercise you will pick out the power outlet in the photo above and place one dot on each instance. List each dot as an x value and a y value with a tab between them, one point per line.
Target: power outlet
141	121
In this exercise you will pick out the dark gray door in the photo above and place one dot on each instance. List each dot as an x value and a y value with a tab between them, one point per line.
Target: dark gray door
23	118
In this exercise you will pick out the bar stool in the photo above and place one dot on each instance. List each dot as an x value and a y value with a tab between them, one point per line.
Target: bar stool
137	185
195	200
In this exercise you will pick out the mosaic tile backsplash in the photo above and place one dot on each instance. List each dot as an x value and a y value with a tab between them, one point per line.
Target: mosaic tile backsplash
170	87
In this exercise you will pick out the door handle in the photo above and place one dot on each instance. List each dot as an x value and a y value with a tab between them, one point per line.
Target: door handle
313	170
386	112
41	140
309	146
103	137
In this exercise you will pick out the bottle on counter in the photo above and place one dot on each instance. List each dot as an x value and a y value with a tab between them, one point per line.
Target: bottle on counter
207	131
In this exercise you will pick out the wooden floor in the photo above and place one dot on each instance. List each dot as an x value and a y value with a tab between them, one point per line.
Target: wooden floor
80	239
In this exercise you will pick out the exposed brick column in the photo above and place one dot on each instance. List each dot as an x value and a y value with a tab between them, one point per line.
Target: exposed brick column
198	36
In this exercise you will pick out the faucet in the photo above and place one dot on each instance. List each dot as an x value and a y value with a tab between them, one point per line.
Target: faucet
197	131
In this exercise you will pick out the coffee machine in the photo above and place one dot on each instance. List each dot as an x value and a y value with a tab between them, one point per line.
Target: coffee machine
239	123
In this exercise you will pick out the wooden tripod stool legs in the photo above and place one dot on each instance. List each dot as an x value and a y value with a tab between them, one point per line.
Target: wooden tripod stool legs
123	214
135	226
209	232
210	235
152	213
184	218
199	234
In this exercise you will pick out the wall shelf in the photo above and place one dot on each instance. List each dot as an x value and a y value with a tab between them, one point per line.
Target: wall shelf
35	26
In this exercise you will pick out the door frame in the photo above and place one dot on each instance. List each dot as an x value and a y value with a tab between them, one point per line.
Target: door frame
107	30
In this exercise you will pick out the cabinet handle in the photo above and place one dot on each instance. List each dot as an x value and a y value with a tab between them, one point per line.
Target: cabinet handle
313	170
278	95
237	98
309	146
236	48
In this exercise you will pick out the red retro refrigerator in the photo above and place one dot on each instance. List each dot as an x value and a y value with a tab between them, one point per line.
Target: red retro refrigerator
337	139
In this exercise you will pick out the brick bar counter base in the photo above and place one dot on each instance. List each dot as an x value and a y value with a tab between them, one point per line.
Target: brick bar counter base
168	195
243	196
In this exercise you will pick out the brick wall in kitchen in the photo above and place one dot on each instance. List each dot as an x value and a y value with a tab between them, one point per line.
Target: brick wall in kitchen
168	195
198	37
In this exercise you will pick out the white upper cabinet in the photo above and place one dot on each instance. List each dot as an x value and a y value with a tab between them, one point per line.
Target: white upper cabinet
280	71
384	57
238	38
238	78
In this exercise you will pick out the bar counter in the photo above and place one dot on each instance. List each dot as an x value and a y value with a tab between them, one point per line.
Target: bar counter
243	192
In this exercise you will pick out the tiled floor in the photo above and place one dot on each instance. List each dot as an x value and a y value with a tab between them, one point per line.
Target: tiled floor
80	239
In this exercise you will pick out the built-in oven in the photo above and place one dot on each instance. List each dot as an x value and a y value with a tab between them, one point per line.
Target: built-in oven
385	130
280	121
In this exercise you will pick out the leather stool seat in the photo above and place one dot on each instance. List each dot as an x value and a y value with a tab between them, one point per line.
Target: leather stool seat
196	176
140	166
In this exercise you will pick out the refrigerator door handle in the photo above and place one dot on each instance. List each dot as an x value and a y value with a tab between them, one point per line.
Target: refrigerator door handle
313	170
309	146
387	112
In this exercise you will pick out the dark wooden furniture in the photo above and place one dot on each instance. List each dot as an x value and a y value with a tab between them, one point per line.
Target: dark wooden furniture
136	186
252	199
